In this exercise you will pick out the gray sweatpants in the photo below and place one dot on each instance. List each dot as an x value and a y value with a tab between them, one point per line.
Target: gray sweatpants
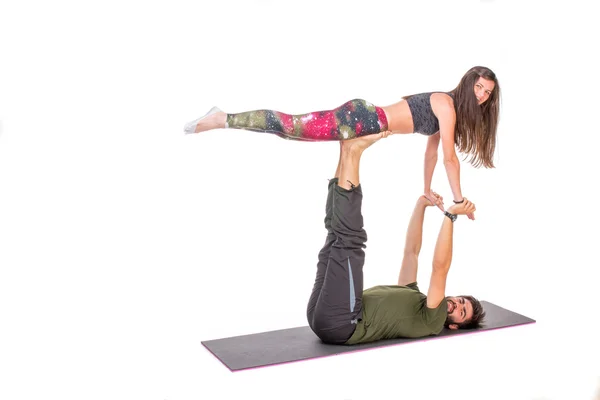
335	304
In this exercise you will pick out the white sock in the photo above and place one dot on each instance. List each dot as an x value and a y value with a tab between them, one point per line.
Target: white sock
190	127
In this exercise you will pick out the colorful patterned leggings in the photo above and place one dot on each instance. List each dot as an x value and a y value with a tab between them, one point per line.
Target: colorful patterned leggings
353	119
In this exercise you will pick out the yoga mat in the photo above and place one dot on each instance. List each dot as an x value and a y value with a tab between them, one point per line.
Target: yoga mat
295	344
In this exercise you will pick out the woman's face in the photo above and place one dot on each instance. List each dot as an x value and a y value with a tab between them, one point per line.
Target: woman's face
483	89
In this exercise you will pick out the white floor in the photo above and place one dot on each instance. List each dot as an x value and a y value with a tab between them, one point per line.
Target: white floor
124	243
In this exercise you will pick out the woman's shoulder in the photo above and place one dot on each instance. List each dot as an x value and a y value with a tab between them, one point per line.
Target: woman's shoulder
434	96
442	96
441	100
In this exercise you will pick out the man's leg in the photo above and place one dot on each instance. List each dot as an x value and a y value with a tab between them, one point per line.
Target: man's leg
324	253
339	304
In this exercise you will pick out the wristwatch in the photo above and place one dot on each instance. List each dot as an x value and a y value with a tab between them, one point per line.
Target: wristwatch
451	216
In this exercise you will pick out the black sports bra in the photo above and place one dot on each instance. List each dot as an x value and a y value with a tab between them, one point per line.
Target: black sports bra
424	120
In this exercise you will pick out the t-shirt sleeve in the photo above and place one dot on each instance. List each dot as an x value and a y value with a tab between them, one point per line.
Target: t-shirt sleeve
413	286
435	318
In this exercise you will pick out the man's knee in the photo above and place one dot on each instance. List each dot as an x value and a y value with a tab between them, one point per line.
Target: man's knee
348	235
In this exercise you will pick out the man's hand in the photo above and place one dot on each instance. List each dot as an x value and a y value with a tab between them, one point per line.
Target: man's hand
463	208
432	199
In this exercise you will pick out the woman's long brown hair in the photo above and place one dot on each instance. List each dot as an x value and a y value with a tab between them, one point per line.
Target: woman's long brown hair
476	125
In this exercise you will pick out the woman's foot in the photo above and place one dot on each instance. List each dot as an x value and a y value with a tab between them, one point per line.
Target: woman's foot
213	119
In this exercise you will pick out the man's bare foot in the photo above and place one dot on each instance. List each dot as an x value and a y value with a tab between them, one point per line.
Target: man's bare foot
361	143
214	119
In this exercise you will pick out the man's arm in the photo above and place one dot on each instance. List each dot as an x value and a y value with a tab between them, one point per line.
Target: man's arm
414	239
442	257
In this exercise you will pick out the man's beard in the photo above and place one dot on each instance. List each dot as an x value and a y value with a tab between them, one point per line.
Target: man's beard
448	318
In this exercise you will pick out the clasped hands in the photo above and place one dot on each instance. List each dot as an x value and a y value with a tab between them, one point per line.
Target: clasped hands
465	208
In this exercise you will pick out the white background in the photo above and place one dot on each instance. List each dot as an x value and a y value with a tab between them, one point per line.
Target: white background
125	243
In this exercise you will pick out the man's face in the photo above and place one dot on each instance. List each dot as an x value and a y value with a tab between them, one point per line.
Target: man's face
459	310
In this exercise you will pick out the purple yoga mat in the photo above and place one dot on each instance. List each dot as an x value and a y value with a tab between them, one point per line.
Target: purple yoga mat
296	344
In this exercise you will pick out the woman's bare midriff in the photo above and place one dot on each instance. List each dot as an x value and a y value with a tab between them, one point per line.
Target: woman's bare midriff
399	117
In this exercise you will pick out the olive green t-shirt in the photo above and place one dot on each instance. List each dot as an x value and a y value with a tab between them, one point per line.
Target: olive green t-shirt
393	311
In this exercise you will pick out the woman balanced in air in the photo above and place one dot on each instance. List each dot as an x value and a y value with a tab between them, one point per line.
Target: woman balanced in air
464	119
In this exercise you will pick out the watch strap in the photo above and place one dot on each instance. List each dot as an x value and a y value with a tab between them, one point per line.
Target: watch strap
451	216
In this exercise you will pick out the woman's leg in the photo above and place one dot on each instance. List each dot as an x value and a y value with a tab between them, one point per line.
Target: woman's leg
353	119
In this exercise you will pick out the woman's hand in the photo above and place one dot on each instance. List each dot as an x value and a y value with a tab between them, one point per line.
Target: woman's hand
433	199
